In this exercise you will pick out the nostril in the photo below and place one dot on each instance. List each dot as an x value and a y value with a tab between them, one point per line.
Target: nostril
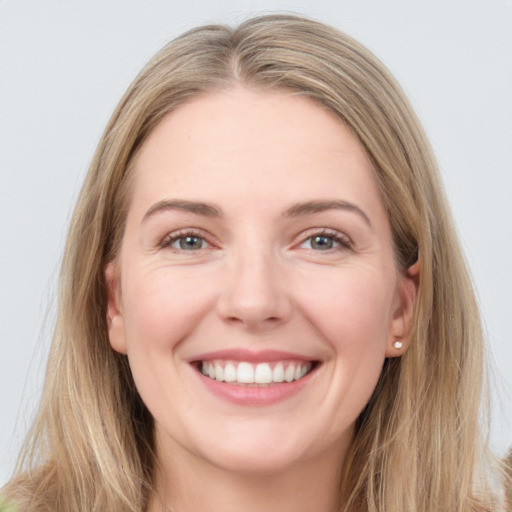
247	319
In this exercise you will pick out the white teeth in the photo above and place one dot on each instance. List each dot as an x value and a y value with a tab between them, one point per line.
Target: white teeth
230	372
245	373
259	374
219	372
263	374
278	373
289	373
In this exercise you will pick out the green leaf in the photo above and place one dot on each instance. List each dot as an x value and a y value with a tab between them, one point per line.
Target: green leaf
5	507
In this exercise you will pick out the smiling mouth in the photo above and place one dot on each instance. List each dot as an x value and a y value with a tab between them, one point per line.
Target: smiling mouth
243	373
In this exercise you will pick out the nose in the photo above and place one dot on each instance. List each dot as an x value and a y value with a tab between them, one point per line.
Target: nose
254	294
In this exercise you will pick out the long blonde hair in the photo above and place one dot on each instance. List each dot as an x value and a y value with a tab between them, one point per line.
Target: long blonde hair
418	443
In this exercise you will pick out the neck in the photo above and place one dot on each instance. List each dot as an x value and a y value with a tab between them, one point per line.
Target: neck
191	484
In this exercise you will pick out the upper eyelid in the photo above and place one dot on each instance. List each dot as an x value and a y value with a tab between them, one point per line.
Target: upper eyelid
211	240
181	233
308	233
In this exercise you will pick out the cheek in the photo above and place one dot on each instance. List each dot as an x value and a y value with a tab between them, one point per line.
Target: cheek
350	310
350	307
160	308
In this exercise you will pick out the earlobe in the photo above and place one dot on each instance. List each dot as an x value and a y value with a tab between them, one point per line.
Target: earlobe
401	325
115	320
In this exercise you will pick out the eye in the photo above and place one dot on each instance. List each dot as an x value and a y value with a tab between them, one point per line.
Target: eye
321	242
325	241
189	243
185	241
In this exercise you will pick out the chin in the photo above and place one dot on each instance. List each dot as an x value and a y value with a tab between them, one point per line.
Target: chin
263	454
256	463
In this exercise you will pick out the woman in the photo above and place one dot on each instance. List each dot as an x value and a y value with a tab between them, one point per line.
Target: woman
263	302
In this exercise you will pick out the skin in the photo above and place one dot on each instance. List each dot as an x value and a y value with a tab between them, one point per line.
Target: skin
256	279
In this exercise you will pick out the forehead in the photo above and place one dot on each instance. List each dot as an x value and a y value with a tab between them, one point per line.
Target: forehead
265	145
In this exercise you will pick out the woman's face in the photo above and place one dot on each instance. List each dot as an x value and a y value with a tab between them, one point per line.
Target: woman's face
255	293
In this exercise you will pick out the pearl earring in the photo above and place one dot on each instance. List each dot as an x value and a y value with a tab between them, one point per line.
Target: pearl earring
398	345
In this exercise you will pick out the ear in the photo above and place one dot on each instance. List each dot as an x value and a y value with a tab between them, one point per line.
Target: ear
401	323
115	319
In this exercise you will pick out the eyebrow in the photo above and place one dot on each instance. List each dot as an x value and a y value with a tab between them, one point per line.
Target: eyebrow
311	207
297	210
204	209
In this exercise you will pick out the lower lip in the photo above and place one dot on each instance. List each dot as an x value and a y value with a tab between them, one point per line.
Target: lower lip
253	395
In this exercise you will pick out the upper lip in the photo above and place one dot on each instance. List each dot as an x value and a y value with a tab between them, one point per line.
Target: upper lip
251	356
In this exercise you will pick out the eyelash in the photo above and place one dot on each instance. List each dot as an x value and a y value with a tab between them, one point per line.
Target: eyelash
171	238
342	240
338	238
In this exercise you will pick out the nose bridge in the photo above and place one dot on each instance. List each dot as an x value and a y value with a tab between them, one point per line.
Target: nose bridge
253	293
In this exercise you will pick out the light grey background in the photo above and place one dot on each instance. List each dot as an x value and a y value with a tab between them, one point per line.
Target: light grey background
65	64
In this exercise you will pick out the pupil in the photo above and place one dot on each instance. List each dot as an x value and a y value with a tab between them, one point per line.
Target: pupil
322	242
190	242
